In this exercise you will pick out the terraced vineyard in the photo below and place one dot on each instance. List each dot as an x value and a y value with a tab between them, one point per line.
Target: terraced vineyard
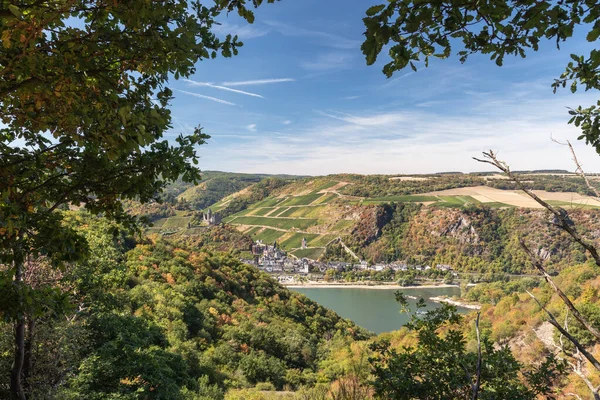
322	209
308	211
279	223
314	210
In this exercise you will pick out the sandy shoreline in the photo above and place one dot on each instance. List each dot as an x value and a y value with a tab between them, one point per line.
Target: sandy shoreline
331	285
457	303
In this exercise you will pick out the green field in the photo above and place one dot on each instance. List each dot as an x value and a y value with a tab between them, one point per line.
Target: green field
281	223
343	225
300	200
268	202
159	223
295	241
219	205
326	198
288	212
253	230
324	186
245	212
313	253
455	201
400	199
496	204
280	211
321	240
176	222
260	211
303	212
267	235
571	206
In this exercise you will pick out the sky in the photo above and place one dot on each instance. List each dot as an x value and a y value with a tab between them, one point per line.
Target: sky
300	99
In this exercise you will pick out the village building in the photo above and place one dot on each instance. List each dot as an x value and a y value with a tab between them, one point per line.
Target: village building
210	218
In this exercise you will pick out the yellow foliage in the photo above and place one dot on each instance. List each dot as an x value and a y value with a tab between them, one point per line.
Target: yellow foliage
253	394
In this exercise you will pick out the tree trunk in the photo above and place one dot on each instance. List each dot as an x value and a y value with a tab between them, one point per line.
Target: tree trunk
16	387
28	363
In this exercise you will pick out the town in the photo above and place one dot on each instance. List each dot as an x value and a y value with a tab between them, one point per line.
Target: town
274	260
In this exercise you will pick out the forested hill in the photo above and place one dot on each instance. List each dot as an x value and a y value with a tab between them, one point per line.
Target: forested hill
214	186
217	186
475	238
470	221
157	319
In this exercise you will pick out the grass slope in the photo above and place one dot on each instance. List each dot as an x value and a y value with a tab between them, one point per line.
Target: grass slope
266	235
295	241
301	200
312	253
281	223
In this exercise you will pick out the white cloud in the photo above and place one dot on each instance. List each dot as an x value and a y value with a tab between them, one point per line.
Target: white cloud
422	140
258	82
207	97
251	127
287	122
325	38
393	81
244	32
208	84
335	60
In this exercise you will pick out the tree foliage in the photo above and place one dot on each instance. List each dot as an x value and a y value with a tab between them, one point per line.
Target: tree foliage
439	365
166	320
84	102
415	31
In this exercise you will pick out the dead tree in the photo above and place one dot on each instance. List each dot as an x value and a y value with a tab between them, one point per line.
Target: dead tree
563	222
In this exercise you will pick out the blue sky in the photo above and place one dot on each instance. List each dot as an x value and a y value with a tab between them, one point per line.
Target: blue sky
299	99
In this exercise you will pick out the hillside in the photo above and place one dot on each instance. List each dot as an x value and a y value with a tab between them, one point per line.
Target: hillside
444	218
160	319
324	209
470	239
216	185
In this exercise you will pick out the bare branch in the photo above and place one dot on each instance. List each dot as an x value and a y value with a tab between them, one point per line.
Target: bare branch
575	342
574	395
578	371
562	219
478	378
566	326
539	265
579	169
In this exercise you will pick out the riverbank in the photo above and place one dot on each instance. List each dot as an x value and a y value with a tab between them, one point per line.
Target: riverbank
457	303
355	285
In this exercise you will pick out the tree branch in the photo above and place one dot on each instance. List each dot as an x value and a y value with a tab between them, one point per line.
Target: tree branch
562	330
579	170
561	215
478	376
538	264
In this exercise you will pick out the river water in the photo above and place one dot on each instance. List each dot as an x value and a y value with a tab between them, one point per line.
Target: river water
374	309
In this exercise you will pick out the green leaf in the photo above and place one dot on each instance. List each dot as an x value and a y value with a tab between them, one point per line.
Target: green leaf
371	11
15	11
593	35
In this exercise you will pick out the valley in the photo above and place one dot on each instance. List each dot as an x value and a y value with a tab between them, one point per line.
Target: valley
445	219
334	252
132	267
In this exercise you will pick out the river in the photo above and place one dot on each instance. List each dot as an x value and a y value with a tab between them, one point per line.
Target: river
374	309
